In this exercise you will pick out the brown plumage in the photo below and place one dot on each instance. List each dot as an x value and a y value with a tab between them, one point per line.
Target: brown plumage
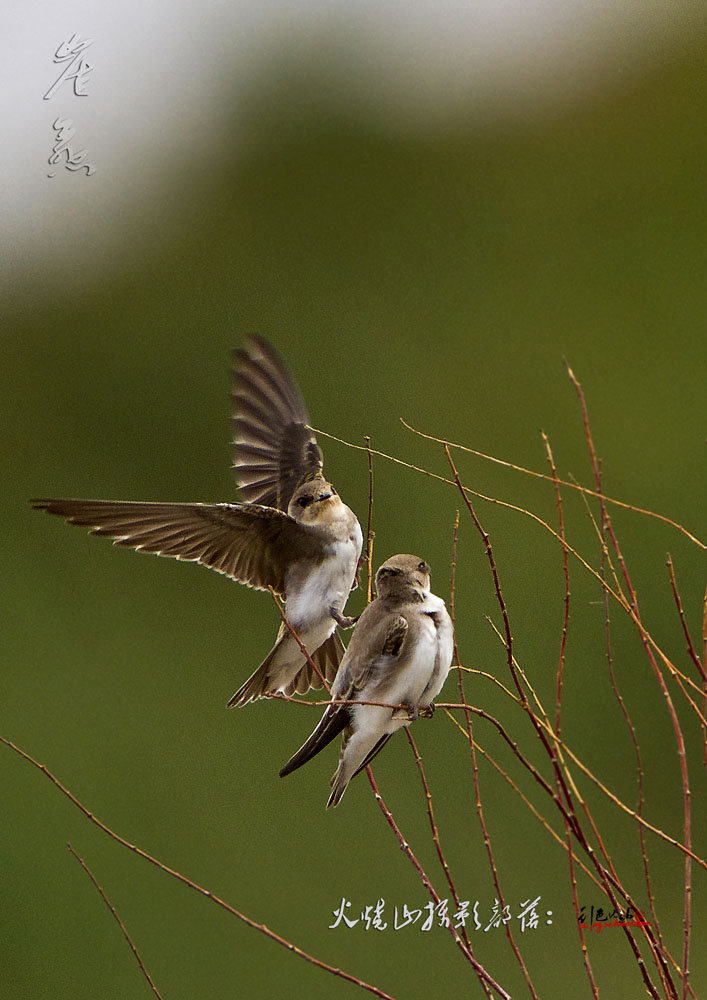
292	534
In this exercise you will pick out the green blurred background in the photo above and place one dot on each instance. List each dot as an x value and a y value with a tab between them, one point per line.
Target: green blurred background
438	274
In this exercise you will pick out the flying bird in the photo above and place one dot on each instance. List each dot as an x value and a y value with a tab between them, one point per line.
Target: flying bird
399	655
292	533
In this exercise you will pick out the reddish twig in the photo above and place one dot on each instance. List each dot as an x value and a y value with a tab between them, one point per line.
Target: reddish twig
691	651
704	669
475	769
407	850
508	642
656	943
262	928
606	876
434	829
677	730
639	772
526	801
566	577
117	919
288	625
575	904
370	534
558	707
562	482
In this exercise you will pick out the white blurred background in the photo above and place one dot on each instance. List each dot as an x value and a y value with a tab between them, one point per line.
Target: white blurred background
168	78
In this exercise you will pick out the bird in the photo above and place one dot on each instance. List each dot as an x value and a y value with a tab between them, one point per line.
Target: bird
399	656
291	533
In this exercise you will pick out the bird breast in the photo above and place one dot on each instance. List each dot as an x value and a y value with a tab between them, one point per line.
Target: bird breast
311	591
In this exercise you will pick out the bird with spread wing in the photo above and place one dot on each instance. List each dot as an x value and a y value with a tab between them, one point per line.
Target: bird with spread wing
292	533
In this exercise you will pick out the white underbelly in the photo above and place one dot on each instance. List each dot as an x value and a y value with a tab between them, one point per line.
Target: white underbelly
326	586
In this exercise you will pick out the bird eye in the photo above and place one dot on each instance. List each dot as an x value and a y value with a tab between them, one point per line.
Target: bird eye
422	567
304	501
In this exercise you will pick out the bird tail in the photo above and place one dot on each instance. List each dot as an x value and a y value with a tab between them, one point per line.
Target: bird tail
265	682
259	684
351	763
326	659
331	724
340	781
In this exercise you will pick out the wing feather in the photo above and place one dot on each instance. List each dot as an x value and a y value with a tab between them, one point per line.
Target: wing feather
274	452
247	542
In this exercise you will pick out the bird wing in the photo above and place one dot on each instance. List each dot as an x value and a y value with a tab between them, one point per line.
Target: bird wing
274	452
372	655
248	542
376	648
335	719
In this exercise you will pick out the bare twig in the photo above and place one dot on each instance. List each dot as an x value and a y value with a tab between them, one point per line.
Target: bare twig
467	492
370	534
692	652
562	482
117	919
265	930
639	780
607	877
677	730
558	709
475	770
434	830
407	850
290	627
526	801
566	577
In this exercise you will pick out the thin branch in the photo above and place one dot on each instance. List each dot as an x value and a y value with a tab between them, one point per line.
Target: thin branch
606	877
434	830
474	765
639	781
592	777
117	919
466	707
704	669
507	630
562	482
566	577
679	739
466	491
288	625
370	534
526	801
265	930
407	850
558	709
692	652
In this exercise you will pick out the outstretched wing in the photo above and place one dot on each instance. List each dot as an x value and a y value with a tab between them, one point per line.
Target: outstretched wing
248	542
274	453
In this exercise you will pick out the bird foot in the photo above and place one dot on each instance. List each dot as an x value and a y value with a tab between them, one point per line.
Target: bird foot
343	621
406	711
428	711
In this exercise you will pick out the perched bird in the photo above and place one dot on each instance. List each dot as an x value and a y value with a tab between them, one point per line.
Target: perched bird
293	534
399	655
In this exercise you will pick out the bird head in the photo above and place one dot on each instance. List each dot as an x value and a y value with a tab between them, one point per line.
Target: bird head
312	500
403	573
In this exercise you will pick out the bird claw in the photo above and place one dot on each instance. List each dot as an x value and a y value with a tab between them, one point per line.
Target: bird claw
343	621
406	711
428	711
